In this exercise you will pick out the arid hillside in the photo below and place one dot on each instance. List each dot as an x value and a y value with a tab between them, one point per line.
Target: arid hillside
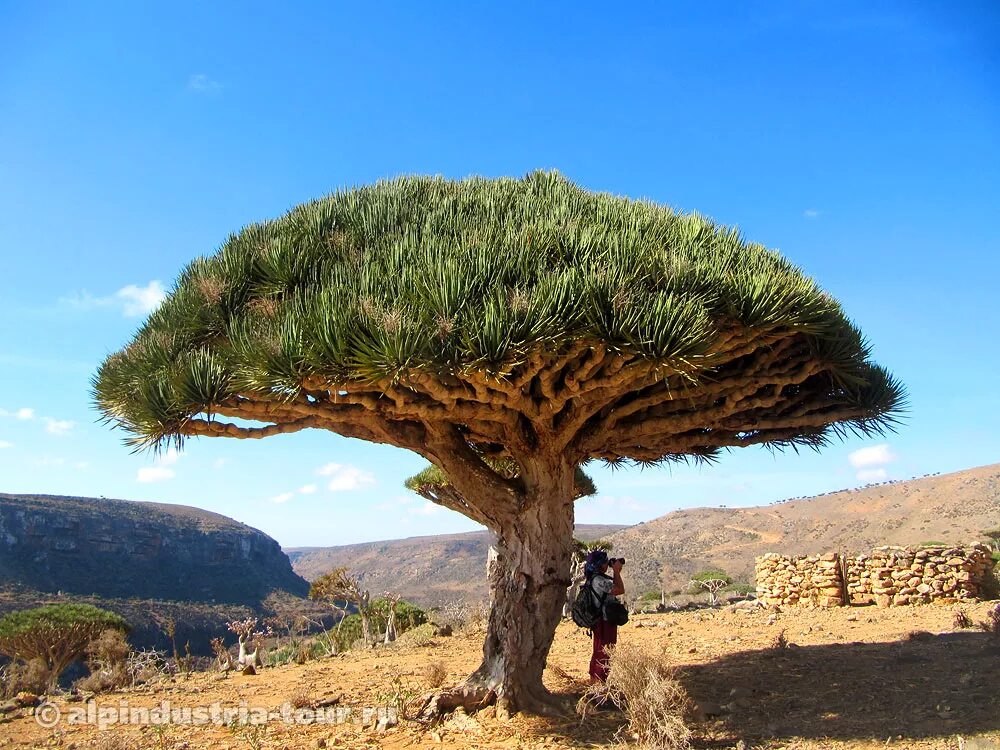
668	550
949	508
428	570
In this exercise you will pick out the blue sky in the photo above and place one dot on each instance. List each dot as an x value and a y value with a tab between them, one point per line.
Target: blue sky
860	139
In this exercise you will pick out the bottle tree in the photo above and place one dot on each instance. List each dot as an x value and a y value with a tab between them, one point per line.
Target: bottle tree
494	320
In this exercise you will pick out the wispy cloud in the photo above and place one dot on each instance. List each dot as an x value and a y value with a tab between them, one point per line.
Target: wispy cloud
307	489
219	463
202	83
811	213
870	462
427	509
132	300
23	413
344	477
284	497
161	469
6	444
53	426
60	427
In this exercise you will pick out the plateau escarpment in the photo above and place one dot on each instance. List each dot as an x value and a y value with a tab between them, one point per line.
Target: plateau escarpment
135	550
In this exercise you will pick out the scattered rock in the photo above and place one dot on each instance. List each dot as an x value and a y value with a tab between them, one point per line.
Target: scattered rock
709	709
26	699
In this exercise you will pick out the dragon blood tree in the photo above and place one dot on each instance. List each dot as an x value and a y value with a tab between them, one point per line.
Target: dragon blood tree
524	321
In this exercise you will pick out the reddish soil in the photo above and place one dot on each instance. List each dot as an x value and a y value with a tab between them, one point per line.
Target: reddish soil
850	678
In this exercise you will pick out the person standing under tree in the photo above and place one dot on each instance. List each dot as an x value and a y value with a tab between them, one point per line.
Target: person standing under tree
605	578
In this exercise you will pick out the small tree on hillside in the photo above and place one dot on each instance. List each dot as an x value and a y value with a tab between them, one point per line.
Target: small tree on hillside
710	582
524	320
55	635
339	586
994	537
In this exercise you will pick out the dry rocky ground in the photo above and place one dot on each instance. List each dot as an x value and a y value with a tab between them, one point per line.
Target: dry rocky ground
849	678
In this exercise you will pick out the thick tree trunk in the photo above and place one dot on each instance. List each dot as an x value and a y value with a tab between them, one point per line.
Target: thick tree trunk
528	581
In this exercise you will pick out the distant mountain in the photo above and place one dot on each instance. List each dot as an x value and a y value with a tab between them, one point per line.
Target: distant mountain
668	550
949	508
134	550
428	570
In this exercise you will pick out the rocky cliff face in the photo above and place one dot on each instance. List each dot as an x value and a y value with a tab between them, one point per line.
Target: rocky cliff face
125	549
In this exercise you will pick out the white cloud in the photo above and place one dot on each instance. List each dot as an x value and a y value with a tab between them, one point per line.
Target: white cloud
133	300
81	465
5	444
811	213
427	509
284	497
875	455
873	475
201	83
141	300
160	471
24	413
307	489
869	461
59	427
168	458
149	474
219	463
344	477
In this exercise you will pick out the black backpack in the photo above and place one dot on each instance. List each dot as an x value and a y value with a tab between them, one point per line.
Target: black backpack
588	608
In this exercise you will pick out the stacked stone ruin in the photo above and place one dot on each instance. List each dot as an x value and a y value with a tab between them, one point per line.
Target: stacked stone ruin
815	579
887	576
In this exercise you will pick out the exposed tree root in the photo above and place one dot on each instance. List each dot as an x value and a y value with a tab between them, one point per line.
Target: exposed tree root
473	696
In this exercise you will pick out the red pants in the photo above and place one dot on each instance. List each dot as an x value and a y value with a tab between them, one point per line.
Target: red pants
605	634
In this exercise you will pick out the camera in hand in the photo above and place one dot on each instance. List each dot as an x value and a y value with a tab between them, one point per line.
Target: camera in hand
613	560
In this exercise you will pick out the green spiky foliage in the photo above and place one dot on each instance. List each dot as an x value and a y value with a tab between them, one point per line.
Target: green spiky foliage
433	484
419	282
55	635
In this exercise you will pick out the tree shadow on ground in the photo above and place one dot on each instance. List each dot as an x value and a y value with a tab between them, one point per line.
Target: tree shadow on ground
925	686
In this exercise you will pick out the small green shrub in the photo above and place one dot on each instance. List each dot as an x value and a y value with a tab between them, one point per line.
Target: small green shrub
739	588
57	634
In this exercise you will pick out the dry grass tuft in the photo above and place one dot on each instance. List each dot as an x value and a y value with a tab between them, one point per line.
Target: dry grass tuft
962	621
780	642
991	624
644	686
301	699
435	673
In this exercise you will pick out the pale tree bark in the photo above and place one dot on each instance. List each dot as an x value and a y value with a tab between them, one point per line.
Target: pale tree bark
528	580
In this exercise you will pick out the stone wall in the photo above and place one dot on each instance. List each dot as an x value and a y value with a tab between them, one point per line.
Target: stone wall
815	579
886	576
901	575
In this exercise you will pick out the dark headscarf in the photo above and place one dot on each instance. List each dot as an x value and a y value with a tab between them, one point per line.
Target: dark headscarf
596	559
